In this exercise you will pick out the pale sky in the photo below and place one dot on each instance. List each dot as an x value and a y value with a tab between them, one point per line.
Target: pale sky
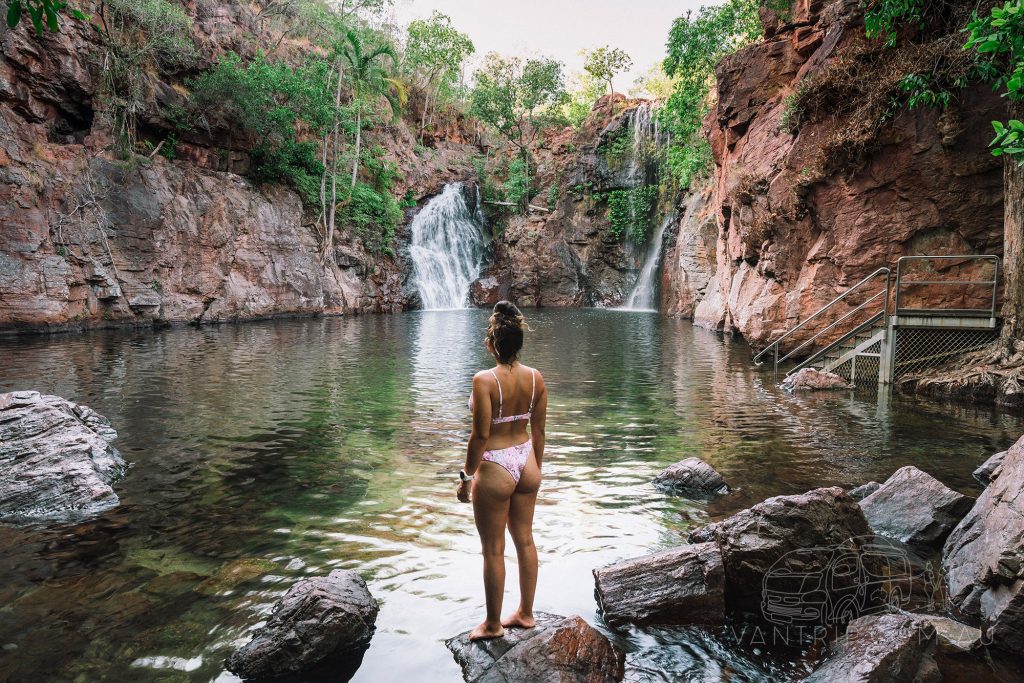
561	28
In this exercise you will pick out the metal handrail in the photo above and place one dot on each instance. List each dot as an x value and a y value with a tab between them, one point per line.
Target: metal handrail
775	345
994	282
832	325
867	324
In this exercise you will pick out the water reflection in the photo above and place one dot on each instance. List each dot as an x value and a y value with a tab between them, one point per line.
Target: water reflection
267	452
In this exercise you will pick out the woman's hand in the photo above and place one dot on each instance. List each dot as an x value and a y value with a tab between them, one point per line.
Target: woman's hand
462	492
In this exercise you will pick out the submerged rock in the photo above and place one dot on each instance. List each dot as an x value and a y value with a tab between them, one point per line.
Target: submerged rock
984	557
807	529
864	490
812	379
691	476
986	472
557	650
57	458
914	507
684	585
318	619
883	648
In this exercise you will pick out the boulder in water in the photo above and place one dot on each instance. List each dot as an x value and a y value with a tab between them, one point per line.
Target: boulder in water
812	379
984	557
57	458
987	471
864	490
914	507
691	476
318	619
684	585
883	648
556	650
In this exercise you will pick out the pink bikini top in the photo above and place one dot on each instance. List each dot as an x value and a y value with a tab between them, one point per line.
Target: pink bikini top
510	418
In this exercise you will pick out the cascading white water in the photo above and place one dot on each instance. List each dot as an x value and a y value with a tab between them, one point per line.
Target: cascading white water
447	249
644	296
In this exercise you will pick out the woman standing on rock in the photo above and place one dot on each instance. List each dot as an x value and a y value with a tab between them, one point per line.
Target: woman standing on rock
502	474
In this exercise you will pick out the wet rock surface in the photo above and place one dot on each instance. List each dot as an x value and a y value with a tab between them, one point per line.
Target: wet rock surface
811	379
864	490
914	507
984	557
804	530
56	457
986	472
883	648
557	650
318	620
691	476
684	585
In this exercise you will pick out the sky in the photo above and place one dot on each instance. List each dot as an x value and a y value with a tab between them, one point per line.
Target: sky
561	28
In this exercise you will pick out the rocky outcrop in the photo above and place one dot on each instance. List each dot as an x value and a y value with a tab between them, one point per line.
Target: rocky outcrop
812	379
914	507
864	490
317	620
556	650
684	585
56	457
886	648
691	476
816	185
689	262
954	637
987	471
806	528
984	557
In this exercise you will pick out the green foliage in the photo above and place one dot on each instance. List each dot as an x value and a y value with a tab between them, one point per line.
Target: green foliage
884	18
367	56
437	49
517	184
999	41
603	63
42	13
374	215
696	43
922	90
575	104
554	192
616	145
630	212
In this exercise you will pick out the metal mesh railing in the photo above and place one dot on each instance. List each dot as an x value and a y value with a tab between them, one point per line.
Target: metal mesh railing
919	348
862	370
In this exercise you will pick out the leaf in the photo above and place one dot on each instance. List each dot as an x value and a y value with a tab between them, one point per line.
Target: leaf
14	13
51	18
36	14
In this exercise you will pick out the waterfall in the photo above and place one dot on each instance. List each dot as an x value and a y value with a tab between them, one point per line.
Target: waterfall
644	296
447	249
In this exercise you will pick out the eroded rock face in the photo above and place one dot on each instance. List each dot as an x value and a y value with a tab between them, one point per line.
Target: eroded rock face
556	650
691	476
812	379
883	648
914	507
754	540
684	585
984	557
56	457
987	471
317	620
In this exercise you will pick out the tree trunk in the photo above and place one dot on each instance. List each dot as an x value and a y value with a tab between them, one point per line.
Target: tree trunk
359	136
1013	244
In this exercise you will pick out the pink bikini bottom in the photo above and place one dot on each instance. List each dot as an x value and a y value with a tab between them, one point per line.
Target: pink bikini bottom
513	458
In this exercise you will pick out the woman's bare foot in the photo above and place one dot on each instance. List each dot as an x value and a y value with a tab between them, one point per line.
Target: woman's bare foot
485	631
518	620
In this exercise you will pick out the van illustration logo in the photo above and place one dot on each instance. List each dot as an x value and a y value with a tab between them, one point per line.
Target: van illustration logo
832	585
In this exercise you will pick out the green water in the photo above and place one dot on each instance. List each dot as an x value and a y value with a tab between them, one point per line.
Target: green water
266	452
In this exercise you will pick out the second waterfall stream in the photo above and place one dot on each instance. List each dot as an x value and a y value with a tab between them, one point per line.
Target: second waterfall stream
448	246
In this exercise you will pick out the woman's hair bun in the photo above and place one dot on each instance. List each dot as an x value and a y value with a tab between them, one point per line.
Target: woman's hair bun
505	331
507	308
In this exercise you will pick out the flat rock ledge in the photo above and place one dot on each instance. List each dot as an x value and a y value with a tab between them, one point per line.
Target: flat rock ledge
984	557
883	648
988	470
557	650
914	507
57	459
684	585
811	379
319	619
691	476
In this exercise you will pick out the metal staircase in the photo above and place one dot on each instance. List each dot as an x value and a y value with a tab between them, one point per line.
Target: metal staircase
890	324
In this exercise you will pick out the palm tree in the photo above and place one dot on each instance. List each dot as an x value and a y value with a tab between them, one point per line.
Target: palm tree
366	68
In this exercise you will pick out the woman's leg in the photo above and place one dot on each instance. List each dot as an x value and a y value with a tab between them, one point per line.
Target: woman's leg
520	526
491	493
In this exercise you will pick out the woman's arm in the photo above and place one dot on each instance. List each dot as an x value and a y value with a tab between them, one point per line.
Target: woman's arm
481	424
539	420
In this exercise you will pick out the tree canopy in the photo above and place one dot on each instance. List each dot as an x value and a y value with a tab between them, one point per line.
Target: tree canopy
604	63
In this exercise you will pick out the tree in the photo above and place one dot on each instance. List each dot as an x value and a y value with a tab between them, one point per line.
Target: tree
437	50
605	62
509	93
370	79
